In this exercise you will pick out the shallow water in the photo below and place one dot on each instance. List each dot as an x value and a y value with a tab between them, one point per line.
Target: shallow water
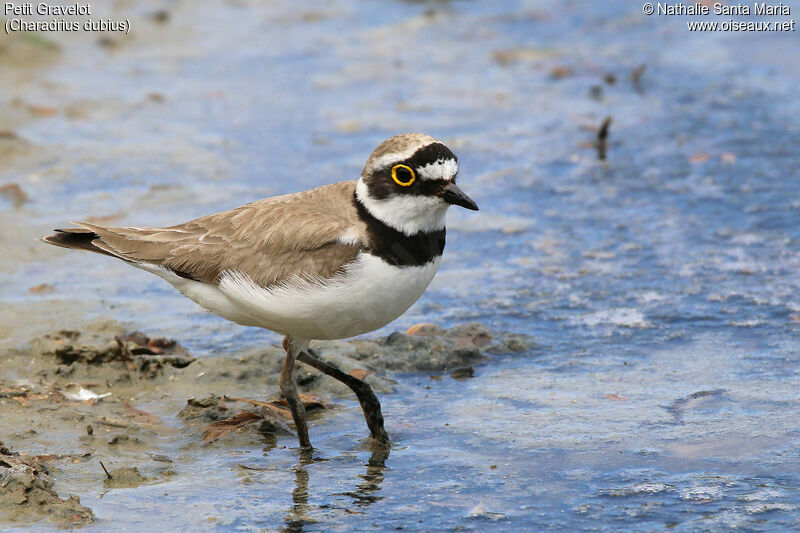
661	285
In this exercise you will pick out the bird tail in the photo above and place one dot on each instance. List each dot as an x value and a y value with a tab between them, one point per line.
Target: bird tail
76	238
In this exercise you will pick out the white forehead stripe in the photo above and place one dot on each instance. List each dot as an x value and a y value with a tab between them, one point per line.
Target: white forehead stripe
387	159
442	169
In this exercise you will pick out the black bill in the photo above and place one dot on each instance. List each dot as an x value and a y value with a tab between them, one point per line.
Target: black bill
453	195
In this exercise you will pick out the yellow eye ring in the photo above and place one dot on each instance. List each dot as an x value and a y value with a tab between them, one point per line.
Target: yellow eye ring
403	183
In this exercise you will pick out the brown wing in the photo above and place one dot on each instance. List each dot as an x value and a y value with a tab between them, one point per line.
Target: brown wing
312	233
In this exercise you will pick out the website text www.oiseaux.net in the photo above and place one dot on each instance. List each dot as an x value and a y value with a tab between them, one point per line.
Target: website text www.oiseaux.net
740	25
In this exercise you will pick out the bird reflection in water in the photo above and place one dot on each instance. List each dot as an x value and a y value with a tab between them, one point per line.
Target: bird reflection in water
298	514
365	494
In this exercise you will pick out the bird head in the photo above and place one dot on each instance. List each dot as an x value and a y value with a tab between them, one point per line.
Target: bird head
409	181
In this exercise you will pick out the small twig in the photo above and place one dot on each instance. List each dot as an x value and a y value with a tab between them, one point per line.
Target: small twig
602	138
106	471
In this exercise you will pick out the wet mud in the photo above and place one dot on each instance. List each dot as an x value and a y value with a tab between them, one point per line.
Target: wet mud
103	394
27	495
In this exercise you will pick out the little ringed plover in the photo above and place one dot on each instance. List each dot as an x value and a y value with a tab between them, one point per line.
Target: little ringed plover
327	263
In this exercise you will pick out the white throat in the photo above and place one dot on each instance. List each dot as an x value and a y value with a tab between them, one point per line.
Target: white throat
407	213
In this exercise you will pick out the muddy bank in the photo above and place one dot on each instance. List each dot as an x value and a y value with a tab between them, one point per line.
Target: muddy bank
27	495
103	356
101	394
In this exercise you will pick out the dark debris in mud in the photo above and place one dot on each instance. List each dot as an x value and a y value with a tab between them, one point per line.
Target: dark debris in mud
695	400
220	419
601	143
27	495
427	348
206	409
131	355
270	417
264	423
124	477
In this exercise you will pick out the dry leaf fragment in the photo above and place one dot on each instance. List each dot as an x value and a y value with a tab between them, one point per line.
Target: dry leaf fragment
360	373
42	111
699	158
423	329
279	407
146	345
36	396
274	409
220	428
616	397
559	72
10	392
310	402
24	397
42	288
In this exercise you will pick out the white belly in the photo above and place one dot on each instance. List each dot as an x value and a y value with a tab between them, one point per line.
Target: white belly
367	296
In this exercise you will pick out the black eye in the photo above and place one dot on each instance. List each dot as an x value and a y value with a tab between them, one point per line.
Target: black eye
403	175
